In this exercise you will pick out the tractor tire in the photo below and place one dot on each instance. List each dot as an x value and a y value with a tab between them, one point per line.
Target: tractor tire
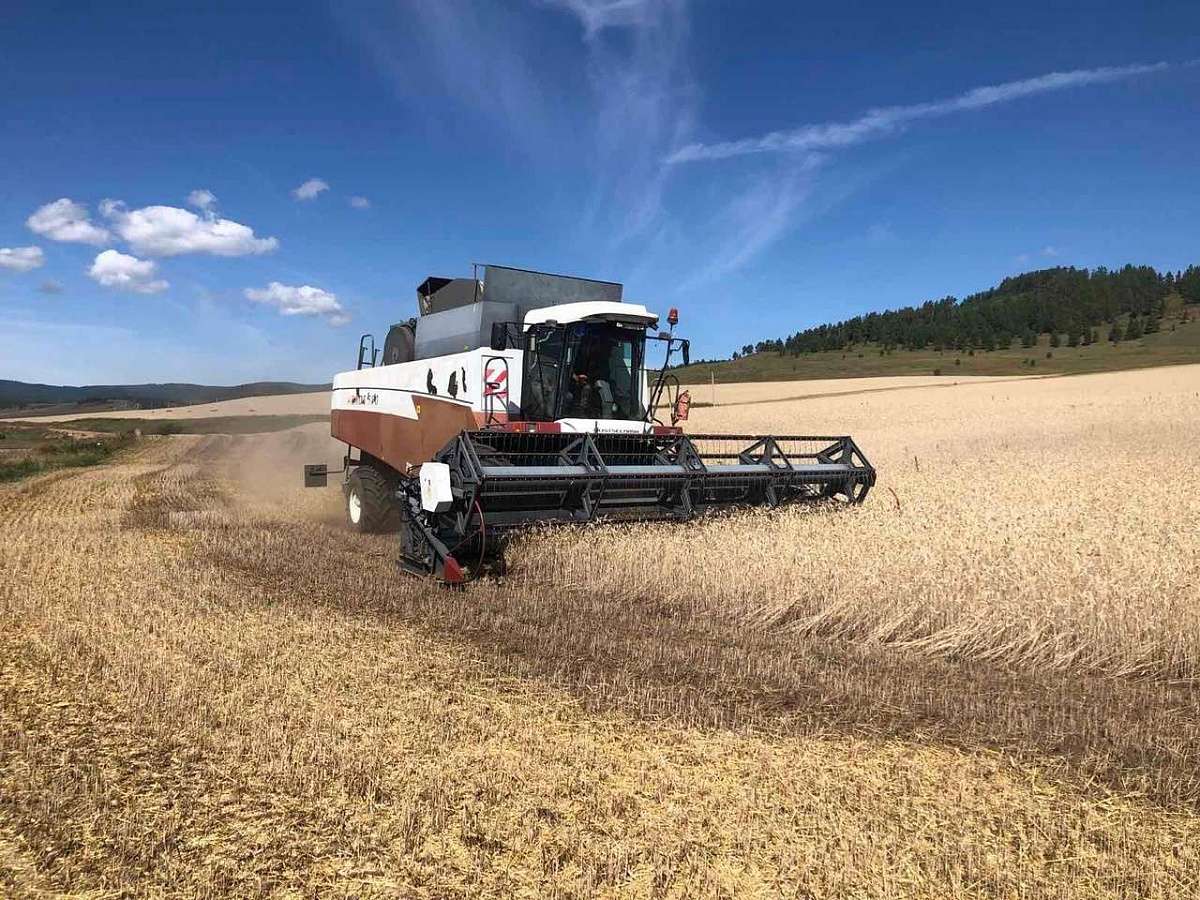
371	504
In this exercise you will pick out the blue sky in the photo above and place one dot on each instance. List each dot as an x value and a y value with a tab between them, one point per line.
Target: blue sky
762	166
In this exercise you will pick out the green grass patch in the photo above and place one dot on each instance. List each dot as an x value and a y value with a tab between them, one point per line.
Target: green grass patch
15	436
45	452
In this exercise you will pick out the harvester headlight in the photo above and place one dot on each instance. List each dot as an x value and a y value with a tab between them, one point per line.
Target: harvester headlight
436	494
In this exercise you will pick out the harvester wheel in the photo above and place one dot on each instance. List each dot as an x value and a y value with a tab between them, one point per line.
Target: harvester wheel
371	504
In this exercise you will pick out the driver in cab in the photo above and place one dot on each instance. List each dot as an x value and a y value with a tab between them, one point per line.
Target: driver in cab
590	389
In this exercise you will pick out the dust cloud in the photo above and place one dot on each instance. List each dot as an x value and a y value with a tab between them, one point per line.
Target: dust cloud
266	472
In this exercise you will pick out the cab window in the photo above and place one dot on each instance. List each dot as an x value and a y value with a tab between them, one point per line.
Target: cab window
603	364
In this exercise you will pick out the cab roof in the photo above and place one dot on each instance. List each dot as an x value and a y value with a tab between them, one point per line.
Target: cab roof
592	311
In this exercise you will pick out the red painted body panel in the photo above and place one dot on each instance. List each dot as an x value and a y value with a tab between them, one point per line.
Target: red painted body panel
399	441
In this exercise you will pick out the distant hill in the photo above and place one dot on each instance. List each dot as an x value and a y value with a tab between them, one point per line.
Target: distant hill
1176	342
1097	319
32	398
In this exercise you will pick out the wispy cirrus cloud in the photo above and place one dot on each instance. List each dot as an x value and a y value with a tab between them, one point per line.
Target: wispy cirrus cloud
637	99
755	216
887	120
479	55
645	97
596	15
622	122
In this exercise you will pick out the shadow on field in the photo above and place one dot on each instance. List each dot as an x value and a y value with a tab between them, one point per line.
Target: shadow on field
661	662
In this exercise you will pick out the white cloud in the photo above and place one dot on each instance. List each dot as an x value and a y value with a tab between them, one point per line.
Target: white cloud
114	269
171	231
202	199
304	300
886	120
360	202
481	54
21	259
596	15
645	95
1050	250
66	220
310	189
753	220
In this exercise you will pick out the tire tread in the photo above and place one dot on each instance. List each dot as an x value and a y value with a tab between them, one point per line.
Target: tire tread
380	510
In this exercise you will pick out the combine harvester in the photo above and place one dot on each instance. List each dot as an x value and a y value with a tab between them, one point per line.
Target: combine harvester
519	398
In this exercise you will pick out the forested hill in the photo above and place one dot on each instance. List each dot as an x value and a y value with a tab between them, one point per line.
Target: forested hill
1080	305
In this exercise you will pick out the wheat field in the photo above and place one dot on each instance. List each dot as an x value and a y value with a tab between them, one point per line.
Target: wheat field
982	683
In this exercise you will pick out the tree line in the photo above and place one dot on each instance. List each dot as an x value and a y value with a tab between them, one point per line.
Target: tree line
1080	306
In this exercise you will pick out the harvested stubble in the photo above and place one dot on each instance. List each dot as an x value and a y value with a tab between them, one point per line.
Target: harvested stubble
207	690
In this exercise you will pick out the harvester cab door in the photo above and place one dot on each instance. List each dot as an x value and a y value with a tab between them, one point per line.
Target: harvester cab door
542	379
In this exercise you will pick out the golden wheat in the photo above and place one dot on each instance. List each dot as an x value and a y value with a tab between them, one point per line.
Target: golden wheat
755	392
208	688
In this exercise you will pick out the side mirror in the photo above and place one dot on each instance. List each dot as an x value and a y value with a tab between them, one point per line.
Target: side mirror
540	332
499	336
687	353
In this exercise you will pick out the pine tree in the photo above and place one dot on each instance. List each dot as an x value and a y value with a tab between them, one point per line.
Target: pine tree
1054	340
1152	325
1028	339
1116	333
1133	330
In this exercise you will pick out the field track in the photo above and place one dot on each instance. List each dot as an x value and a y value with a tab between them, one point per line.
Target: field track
982	683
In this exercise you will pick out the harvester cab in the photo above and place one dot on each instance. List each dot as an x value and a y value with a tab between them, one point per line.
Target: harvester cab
518	398
584	365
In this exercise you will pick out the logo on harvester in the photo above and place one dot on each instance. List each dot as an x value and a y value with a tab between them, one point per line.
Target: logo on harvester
495	379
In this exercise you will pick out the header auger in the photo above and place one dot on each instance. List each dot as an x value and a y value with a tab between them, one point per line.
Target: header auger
520	398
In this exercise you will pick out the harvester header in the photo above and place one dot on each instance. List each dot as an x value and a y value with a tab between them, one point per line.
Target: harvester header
518	397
